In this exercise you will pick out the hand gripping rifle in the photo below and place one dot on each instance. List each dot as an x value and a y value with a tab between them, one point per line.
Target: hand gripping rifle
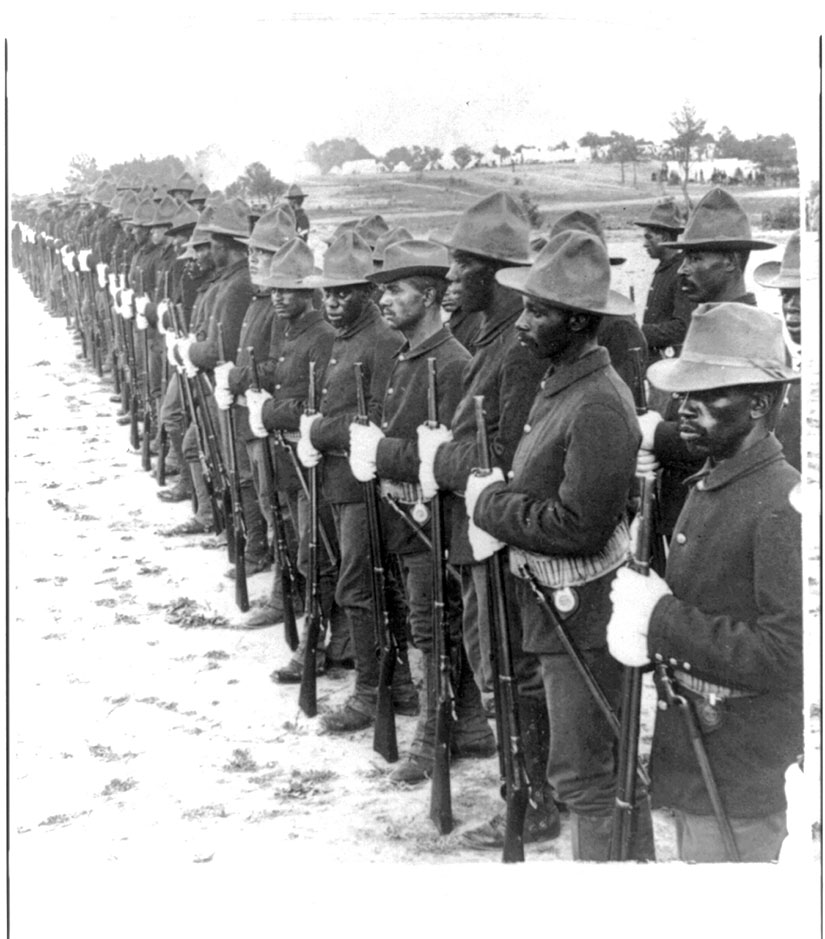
384	739
163	441
626	811
307	696
146	456
289	577
239	522
441	808
515	784
131	353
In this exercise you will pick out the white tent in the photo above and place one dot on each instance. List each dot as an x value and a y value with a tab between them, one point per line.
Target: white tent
401	167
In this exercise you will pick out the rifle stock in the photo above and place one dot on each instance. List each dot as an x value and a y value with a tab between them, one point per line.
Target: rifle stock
385	740
146	457
289	578
515	782
441	808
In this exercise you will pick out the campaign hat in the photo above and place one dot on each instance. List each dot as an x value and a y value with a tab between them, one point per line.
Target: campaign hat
349	225
185	218
372	228
785	275
665	214
399	233
144	213
165	213
184	183
571	271
295	192
495	227
410	259
272	230
291	267
231	218
200	193
726	344
128	204
718	223
347	261
579	220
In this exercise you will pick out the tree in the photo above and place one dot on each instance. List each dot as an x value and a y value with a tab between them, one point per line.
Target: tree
593	141
83	170
501	152
159	170
690	131
462	155
257	184
397	155
728	145
336	152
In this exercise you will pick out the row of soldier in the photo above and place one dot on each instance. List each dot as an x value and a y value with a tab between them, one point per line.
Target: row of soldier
310	390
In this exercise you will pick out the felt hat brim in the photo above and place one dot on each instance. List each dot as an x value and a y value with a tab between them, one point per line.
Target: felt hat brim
720	244
399	273
516	279
679	375
770	274
473	249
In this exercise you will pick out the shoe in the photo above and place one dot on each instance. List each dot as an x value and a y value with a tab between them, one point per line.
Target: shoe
347	719
407	705
411	771
265	616
192	527
490	706
175	494
124	419
115	399
347	664
544	825
473	751
253	566
293	672
171	469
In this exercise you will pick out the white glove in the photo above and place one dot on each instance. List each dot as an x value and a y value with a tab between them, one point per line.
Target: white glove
170	339
634	597
83	259
222	374
307	453
484	545
121	281
163	309
429	440
647	464
224	398
648	422
476	484
113	288
183	351
140	320
101	269
255	404
126	298
68	260
363	447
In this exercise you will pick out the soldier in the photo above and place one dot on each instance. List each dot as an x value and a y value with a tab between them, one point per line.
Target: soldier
224	307
667	310
413	282
261	331
715	247
302	337
491	235
295	197
725	625
785	278
563	513
361	336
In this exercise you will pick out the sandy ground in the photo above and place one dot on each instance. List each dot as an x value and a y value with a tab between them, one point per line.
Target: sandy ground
161	748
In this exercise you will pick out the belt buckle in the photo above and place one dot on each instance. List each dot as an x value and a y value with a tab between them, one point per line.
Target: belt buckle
420	513
565	600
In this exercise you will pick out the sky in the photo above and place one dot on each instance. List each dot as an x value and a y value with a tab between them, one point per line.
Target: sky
256	85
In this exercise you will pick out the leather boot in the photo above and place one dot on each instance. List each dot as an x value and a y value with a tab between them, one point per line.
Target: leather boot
256	540
472	735
404	693
204	514
643	847
417	764
182	490
591	836
357	712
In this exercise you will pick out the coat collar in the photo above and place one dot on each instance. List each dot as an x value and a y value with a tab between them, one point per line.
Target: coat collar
303	323
503	312
233	269
557	379
767	450
369	315
405	353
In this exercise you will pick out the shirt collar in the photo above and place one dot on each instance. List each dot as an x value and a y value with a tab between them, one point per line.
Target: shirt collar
715	476
556	379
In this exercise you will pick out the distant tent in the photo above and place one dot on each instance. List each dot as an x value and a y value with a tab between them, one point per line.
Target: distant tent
401	167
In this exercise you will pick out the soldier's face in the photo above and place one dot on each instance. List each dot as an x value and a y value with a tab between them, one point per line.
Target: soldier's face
343	305
475	280
403	305
653	238
204	257
259	262
158	234
140	234
792	311
220	253
544	329
705	275
452	297
715	423
290	304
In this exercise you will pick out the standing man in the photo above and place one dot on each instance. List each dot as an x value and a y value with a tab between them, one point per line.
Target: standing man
785	278
715	248
361	336
491	235
725	625
563	514
295	197
413	284
667	311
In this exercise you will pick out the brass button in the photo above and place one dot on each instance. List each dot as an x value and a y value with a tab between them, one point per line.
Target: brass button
527	428
658	656
672	661
686	666
681	538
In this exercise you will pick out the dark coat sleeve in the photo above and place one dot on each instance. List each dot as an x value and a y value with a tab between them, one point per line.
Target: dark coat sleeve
230	308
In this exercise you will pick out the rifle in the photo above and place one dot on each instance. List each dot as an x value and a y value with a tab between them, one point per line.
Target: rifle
289	578
239	522
134	396
515	784
205	444
384	739
441	808
162	435
146	456
307	696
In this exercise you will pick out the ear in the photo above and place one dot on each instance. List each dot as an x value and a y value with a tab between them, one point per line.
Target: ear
763	401
577	322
